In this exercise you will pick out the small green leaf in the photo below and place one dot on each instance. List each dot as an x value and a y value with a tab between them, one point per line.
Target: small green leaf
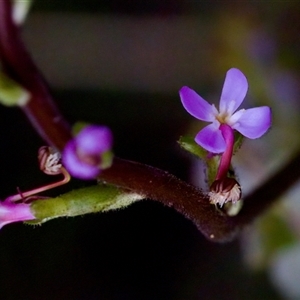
212	161
188	144
99	198
11	93
106	160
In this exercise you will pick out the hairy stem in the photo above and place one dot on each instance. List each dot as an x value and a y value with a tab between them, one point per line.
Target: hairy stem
164	187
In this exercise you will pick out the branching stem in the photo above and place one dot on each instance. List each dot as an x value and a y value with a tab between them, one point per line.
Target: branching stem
156	184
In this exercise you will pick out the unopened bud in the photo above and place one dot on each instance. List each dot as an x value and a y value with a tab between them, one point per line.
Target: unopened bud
49	160
225	190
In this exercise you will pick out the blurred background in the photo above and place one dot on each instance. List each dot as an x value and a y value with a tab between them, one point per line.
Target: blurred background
121	63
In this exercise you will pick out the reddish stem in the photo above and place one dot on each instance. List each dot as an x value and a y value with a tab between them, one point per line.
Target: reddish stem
164	187
225	161
24	195
17	63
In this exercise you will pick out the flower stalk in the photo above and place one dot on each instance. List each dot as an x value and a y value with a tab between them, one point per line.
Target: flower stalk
226	156
225	189
49	160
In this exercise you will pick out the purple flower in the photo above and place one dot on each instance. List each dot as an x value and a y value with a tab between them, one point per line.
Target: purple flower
83	156
252	123
14	212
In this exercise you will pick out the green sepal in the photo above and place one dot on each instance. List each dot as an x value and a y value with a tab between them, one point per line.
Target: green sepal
106	160
211	160
238	140
98	198
188	143
11	93
78	126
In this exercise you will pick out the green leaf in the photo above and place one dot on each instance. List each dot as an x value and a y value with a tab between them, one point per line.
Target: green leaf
99	198
211	161
188	144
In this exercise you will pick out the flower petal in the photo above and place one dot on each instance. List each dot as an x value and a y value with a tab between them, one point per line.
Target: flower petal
196	105
254	122
94	139
211	139
14	212
75	166
234	91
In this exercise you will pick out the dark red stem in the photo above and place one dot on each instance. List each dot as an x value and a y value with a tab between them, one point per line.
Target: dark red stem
164	187
17	63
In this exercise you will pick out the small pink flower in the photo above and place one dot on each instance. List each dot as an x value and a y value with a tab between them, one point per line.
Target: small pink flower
252	123
83	155
14	212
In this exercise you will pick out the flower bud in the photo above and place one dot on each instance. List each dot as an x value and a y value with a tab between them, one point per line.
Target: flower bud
49	160
225	190
89	152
